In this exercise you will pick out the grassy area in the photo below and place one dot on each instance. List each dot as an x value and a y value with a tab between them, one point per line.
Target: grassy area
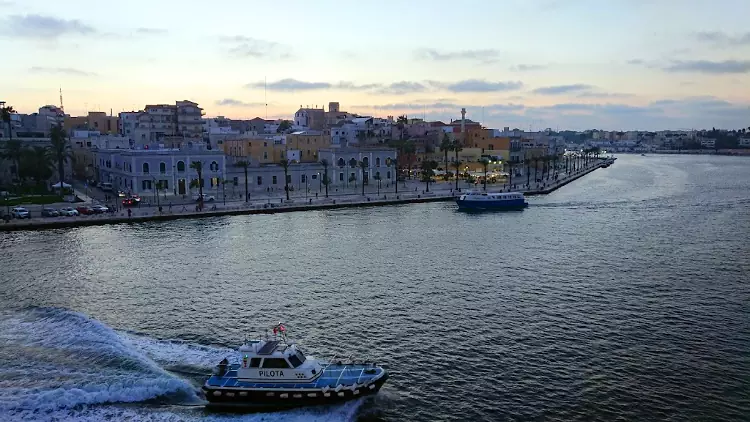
28	200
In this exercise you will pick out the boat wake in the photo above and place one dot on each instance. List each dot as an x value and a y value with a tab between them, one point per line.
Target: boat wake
57	364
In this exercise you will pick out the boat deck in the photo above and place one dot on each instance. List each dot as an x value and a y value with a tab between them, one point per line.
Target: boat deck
332	376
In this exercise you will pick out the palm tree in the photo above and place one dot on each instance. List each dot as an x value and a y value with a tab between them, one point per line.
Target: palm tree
446	146
5	113
428	167
363	165
285	164
409	151
545	165
457	147
527	162
13	151
325	180
244	165
457	165
394	163
485	163
401	123
510	174
37	163
198	167
536	167
61	150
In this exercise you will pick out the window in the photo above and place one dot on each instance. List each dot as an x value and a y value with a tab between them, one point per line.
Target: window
235	181
145	167
164	184
314	177
146	185
265	155
303	178
181	166
275	363
162	167
295	359
273	180
214	166
388	175
491	146
265	144
352	163
341	162
366	161
341	177
260	180
377	161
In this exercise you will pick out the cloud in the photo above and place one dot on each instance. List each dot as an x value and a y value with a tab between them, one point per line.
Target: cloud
722	38
60	71
636	61
290	84
482	56
44	27
527	67
248	47
603	95
231	102
561	89
403	87
709	67
151	31
479	85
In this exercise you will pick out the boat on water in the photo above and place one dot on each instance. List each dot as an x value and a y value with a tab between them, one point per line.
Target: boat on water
276	373
492	201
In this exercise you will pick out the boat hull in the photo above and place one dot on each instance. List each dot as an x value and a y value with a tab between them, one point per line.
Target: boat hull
492	205
288	397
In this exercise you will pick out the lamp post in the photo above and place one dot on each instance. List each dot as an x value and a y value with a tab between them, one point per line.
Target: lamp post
156	189
320	183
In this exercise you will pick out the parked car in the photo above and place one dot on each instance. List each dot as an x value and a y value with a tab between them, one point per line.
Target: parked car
135	197
68	212
50	212
20	212
85	210
100	209
206	198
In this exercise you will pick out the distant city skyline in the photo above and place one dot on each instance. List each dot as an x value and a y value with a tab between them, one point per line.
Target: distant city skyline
576	64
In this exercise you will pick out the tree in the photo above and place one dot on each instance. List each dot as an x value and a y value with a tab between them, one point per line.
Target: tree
409	150
394	163
545	165
401	123
13	151
485	163
5	113
198	167
285	164
445	147
363	165
37	163
428	171
361	136
527	163
457	147
325	180
536	167
61	150
284	126
244	165
457	165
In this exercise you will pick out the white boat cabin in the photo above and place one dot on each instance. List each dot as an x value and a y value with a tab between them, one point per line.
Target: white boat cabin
276	361
492	196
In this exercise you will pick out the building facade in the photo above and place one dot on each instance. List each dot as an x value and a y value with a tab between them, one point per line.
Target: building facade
345	166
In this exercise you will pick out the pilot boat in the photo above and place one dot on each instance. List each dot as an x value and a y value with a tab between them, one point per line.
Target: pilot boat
492	201
276	373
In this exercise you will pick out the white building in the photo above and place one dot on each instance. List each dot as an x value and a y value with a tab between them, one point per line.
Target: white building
345	168
744	142
174	124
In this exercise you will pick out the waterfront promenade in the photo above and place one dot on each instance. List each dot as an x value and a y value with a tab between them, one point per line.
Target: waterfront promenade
411	191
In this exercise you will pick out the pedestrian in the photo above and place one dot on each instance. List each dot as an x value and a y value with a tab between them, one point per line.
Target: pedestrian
170	206
129	212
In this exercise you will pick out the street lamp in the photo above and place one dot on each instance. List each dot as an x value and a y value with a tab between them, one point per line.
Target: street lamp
156	189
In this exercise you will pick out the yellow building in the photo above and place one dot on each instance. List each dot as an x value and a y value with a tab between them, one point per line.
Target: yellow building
95	120
308	143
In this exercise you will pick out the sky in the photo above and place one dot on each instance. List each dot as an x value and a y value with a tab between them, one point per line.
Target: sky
529	64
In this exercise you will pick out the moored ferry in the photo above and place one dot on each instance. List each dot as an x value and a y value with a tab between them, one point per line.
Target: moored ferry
492	201
276	373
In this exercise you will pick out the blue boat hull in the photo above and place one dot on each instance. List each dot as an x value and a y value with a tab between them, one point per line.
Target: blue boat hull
486	205
336	384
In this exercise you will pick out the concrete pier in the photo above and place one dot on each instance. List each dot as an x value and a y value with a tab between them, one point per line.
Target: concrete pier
278	205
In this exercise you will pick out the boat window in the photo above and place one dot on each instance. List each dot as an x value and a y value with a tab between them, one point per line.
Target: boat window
255	363
294	361
275	363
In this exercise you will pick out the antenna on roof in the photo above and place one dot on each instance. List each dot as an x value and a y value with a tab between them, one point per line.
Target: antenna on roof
62	107
265	96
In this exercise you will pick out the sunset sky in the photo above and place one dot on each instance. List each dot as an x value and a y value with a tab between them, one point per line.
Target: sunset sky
567	64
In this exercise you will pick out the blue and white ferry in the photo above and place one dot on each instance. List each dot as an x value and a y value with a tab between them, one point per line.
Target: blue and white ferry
492	201
276	373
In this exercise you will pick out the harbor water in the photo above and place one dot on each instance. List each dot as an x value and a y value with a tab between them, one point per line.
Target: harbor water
625	295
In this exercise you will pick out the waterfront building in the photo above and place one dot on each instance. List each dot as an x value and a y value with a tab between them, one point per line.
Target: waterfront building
345	168
310	118
169	124
138	170
308	143
127	122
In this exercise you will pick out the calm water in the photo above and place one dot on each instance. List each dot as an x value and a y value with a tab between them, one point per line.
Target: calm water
623	296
